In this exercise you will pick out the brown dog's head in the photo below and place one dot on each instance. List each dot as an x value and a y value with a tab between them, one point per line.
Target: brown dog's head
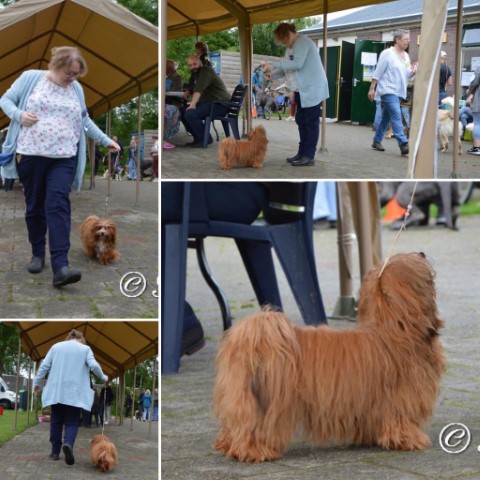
258	135
99	229
402	300
103	453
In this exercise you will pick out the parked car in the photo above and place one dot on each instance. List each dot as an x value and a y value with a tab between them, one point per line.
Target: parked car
7	397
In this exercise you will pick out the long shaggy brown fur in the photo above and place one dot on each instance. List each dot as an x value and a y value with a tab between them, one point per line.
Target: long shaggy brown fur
376	384
445	126
103	453
99	237
244	153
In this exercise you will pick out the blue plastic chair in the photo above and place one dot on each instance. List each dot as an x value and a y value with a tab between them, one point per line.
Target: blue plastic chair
229	119
288	232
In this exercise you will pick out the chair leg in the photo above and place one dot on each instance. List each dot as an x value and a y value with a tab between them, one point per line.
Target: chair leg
207	275
208	121
300	270
226	127
174	258
234	125
258	261
216	131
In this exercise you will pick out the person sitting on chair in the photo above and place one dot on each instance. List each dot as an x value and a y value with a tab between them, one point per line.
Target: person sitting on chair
209	88
239	202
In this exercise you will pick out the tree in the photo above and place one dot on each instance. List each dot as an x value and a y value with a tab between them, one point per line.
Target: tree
262	37
9	351
144	378
264	40
147	9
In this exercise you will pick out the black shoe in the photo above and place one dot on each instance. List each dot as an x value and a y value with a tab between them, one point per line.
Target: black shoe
36	265
68	451
404	148
54	456
303	162
193	340
295	157
378	146
65	276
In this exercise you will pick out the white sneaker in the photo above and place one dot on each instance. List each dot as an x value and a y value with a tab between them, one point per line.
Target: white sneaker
106	423
290	119
474	151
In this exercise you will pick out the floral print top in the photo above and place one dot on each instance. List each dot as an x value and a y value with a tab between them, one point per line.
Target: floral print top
57	131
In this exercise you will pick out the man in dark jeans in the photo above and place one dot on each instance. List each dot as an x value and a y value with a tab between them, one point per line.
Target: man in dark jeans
208	88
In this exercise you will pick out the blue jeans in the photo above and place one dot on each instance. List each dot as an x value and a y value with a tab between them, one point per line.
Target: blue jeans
132	168
465	116
194	119
63	415
378	113
391	113
47	183
441	95
308	121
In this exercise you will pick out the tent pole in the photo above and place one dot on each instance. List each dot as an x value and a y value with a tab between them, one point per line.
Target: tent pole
346	304
152	407
29	383
323	148
458	87
17	383
109	179
122	396
133	399
139	143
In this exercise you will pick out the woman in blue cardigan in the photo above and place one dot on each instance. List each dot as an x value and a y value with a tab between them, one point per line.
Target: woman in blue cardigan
304	61
46	148
68	391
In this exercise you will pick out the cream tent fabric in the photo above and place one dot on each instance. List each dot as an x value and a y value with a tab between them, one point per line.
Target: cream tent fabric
117	346
188	18
423	132
120	48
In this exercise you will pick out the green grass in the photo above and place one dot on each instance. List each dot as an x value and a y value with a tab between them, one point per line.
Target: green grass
6	424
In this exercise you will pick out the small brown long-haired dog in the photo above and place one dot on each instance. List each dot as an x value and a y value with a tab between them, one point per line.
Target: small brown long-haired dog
244	153
103	453
99	237
375	384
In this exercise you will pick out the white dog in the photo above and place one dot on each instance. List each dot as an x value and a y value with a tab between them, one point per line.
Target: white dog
445	125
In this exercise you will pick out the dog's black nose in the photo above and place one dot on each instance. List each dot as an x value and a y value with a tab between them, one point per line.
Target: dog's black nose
421	254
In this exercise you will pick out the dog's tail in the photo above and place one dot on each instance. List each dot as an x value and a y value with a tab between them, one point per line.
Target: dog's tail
257	371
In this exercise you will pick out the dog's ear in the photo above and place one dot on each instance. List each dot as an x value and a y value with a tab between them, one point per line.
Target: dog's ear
402	300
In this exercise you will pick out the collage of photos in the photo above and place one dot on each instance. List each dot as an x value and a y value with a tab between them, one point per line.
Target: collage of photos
79	229
320	215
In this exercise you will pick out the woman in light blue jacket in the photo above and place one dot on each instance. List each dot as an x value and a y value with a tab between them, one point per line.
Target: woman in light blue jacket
312	85
46	148
68	390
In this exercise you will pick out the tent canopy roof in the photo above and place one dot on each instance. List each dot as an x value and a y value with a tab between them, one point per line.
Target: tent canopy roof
188	18
117	346
120	48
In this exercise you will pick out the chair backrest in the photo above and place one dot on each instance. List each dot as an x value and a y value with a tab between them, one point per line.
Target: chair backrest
237	99
290	202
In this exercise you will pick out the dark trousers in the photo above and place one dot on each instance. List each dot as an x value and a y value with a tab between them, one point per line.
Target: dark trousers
308	121
47	182
63	415
238	202
86	418
194	119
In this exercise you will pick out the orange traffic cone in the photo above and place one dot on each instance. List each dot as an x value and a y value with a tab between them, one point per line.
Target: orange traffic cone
254	112
394	211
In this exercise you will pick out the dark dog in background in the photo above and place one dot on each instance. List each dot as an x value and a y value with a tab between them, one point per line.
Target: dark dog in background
268	103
